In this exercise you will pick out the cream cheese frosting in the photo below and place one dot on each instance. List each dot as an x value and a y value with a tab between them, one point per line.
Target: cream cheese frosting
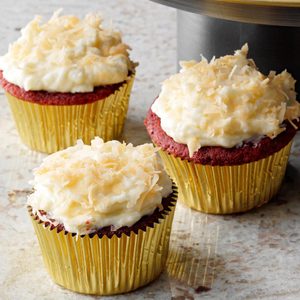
225	102
86	187
66	54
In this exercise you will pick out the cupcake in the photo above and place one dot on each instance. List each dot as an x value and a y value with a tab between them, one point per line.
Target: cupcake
67	79
103	215
225	131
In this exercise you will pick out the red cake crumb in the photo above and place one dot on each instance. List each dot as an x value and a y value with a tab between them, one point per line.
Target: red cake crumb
56	98
216	155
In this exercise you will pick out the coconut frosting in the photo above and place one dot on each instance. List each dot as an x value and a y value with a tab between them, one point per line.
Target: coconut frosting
87	187
66	54
224	102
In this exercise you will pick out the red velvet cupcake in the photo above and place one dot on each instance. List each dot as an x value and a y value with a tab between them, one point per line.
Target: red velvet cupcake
105	211
67	79
225	132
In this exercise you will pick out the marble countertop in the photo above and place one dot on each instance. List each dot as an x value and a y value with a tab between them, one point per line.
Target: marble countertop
255	255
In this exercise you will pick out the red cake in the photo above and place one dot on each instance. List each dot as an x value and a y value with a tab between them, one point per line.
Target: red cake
219	156
58	98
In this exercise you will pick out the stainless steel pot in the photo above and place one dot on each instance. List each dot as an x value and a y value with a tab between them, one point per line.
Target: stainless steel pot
215	28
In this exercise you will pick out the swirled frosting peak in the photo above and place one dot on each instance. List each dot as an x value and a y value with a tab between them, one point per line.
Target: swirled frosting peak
66	54
88	187
225	102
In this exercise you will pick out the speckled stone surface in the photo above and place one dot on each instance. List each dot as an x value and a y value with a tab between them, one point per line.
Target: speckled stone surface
248	256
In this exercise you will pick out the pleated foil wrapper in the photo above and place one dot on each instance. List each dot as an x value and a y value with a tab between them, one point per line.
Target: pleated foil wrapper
106	266
227	189
49	128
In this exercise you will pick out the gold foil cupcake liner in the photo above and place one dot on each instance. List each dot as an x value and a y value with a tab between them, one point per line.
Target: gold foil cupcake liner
227	189
106	266
49	128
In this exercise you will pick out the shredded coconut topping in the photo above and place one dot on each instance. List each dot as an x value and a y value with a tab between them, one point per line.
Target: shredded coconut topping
225	102
66	54
88	187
